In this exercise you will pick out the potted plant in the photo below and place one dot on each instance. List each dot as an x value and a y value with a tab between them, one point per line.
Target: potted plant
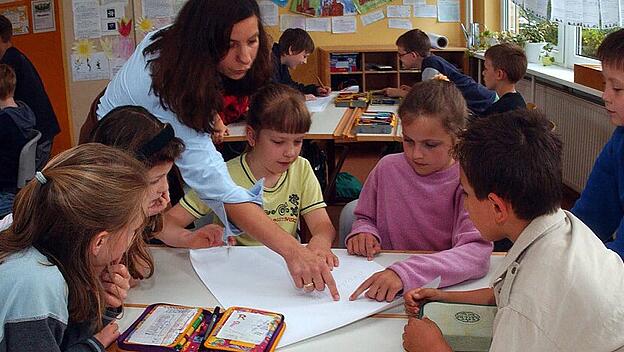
548	59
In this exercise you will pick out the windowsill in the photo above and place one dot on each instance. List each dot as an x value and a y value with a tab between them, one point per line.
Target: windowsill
556	74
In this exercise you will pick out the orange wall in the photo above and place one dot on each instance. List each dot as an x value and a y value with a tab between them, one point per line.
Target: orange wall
45	52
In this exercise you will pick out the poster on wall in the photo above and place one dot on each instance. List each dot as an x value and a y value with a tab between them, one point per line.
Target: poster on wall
43	16
363	6
94	67
86	19
19	19
111	12
324	8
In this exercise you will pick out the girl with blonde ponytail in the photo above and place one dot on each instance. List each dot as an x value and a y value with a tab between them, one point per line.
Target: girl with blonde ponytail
60	271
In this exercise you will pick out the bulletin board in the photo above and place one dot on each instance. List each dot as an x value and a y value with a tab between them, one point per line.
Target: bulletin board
82	93
41	43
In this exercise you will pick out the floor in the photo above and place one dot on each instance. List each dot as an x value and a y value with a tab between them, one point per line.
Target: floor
362	158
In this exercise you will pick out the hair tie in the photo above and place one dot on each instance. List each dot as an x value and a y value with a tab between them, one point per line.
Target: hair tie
39	176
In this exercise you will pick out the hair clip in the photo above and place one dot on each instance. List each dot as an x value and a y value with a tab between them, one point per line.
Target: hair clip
40	178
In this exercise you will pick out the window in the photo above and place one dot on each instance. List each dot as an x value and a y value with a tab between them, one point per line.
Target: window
571	44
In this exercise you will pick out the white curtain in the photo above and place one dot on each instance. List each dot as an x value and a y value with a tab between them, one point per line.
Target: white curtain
585	13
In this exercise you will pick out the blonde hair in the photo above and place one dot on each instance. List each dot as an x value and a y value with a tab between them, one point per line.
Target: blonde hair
436	98
89	189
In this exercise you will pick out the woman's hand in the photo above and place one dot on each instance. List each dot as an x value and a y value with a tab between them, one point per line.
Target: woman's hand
323	250
219	131
116	282
310	271
108	334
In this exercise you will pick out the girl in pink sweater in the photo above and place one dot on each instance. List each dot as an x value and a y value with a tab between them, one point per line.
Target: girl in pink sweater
413	201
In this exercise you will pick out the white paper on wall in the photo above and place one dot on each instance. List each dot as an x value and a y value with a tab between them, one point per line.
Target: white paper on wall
426	11
86	19
268	12
318	24
291	21
96	67
372	17
400	23
398	11
344	24
448	10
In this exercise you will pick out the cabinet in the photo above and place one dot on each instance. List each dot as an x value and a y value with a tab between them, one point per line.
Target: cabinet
374	66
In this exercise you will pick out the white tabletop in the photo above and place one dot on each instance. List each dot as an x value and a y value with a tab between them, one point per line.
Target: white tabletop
324	124
174	281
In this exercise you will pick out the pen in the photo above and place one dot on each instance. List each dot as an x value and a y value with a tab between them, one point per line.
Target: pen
213	320
320	82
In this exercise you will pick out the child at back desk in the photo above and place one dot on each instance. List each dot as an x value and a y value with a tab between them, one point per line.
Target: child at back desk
505	64
60	271
413	201
601	205
276	124
414	51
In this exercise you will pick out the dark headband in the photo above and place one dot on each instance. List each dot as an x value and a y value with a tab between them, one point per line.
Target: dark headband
155	144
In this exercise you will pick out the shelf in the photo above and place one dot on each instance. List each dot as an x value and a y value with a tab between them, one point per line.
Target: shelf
410	71
346	73
373	72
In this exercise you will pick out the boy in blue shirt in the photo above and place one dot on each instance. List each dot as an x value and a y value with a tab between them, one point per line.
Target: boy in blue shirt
601	205
505	64
414	49
292	50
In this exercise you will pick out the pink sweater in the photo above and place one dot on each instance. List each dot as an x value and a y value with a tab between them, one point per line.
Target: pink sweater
407	211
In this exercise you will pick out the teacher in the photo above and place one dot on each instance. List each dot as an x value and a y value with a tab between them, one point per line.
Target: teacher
178	74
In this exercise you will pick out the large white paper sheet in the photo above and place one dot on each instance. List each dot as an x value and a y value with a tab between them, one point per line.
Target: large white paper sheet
344	24
268	13
257	277
448	11
372	17
320	103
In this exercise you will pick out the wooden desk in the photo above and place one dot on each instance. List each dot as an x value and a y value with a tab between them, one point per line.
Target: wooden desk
176	282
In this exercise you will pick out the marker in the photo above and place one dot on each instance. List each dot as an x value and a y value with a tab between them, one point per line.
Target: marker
211	324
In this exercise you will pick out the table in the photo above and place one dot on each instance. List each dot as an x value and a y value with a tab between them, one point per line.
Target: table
332	125
174	281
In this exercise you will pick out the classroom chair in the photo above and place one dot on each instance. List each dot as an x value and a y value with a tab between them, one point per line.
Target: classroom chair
27	165
344	224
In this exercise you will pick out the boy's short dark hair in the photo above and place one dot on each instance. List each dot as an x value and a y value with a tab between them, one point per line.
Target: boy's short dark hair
516	156
296	40
611	50
7	81
509	58
6	29
415	41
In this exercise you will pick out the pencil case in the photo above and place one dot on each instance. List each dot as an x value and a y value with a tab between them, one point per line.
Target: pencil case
466	327
246	330
166	328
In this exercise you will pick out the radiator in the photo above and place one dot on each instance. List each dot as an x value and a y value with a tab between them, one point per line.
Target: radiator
583	127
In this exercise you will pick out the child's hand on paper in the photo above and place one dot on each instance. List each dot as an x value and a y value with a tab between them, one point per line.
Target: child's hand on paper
323	91
416	297
423	335
363	244
116	282
309	97
323	250
210	235
108	334
219	131
381	286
